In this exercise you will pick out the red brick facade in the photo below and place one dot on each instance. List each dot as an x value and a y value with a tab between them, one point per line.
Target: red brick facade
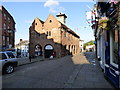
7	29
52	33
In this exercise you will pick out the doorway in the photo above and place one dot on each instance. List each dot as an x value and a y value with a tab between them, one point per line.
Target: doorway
48	51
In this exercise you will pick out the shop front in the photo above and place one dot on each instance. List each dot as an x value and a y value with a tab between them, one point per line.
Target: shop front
112	62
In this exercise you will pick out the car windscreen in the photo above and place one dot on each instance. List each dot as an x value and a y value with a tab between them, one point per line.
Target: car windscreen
10	55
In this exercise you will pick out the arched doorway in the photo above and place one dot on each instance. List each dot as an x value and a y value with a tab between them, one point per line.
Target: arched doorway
38	50
69	50
48	51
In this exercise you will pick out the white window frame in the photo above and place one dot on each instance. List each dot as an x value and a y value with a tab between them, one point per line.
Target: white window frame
111	49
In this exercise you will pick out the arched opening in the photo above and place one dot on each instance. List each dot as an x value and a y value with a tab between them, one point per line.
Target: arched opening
72	48
69	50
48	51
38	50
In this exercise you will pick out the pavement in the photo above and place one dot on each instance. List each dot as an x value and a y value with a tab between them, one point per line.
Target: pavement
26	60
78	71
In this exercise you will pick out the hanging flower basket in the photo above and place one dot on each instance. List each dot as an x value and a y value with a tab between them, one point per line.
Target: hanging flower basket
104	23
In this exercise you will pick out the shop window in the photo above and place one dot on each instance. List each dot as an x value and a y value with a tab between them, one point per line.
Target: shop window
114	47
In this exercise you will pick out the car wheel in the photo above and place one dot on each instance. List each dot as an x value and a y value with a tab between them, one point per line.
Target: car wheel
9	69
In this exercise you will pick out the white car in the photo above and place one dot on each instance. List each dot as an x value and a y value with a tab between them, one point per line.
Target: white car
7	62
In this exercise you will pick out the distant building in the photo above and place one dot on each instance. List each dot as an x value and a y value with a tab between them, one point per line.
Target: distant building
90	48
52	37
22	48
81	45
7	30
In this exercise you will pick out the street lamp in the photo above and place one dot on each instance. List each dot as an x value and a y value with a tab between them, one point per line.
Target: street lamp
9	31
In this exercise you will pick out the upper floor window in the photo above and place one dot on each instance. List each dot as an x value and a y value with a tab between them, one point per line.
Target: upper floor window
48	33
8	27
50	21
68	36
7	39
42	25
3	38
8	19
65	34
4	26
4	15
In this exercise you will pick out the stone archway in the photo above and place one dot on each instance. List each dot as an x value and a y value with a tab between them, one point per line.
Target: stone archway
48	50
38	50
69	49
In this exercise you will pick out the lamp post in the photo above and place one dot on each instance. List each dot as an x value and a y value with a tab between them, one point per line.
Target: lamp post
9	31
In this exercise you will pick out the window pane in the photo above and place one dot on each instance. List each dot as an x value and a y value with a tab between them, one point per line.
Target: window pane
10	55
3	56
115	47
4	26
4	15
8	19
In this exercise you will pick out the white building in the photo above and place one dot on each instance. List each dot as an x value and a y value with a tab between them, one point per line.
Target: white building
22	48
81	45
90	48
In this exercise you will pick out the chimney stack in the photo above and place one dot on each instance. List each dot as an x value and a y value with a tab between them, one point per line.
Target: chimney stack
62	18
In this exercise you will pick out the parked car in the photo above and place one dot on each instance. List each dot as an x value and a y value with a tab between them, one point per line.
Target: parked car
13	51
7	62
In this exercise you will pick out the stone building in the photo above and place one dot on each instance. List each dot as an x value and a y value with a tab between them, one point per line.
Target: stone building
7	30
52	37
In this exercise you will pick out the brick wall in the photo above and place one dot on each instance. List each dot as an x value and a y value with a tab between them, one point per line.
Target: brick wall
51	32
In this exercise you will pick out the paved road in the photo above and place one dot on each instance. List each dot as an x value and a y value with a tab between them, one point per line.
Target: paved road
78	71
